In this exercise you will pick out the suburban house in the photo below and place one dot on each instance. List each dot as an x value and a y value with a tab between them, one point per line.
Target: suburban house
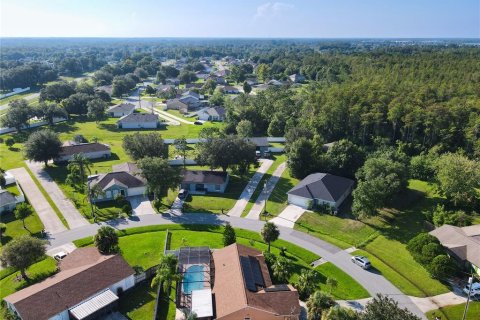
92	150
275	83
230	90
86	287
125	180
320	189
108	89
139	121
252	81
212	114
232	283
296	78
176	104
243	288
201	182
120	110
261	144
192	94
173	81
463	244
9	201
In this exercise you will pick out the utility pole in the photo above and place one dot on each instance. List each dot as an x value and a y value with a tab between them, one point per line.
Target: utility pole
265	213
470	282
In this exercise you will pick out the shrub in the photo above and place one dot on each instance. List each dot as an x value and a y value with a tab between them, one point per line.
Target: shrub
421	167
416	244
458	218
429	252
9	142
3	228
127	209
441	267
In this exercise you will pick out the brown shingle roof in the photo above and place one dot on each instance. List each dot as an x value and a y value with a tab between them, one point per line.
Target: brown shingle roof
83	148
70	286
230	290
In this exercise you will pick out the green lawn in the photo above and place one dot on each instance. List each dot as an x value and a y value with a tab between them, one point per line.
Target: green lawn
347	287
143	247
180	115
384	238
13	189
167	307
17	96
139	302
278	199
36	272
15	227
456	312
278	159
213	202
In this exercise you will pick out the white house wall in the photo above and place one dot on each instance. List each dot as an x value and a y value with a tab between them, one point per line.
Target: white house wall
136	191
89	155
143	125
298	201
64	315
125	284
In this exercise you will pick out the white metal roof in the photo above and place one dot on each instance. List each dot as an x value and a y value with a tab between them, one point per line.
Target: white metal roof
202	303
95	303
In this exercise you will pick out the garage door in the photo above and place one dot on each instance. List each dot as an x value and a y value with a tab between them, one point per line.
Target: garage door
298	201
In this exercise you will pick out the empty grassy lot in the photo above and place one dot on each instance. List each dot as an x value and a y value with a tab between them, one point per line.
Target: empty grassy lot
384	238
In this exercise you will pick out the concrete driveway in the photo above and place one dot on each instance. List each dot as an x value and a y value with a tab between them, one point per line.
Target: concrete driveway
70	213
45	212
241	203
266	192
288	216
141	205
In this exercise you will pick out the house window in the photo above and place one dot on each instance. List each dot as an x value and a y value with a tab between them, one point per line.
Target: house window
108	194
217	187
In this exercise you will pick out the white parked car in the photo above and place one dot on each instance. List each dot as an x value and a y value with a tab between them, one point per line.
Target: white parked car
475	289
361	261
59	256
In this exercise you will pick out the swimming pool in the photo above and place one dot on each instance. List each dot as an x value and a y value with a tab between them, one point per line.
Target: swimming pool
193	279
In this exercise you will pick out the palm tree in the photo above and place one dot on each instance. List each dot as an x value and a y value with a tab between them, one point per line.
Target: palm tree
270	233
282	269
82	162
93	193
317	304
307	283
167	272
106	240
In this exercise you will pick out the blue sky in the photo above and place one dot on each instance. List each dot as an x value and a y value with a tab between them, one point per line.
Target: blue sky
241	18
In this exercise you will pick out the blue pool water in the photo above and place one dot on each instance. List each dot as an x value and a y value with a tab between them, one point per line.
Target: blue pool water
193	279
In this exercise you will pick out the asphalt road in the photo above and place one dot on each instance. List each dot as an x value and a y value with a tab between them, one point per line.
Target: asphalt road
373	282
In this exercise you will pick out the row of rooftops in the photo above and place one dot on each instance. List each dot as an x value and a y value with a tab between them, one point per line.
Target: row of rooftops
85	273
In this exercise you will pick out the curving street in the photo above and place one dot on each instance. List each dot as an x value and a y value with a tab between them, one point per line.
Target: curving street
373	282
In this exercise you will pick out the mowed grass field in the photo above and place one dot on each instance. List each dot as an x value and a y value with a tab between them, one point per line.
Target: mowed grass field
383	238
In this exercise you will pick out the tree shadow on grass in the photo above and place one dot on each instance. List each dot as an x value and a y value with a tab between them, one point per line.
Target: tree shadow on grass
405	217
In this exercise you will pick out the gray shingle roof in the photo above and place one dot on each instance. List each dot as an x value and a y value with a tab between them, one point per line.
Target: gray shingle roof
323	186
216	112
139	117
83	148
122	178
123	107
214	177
6	198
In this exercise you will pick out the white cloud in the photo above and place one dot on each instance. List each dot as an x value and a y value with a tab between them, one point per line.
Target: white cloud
270	10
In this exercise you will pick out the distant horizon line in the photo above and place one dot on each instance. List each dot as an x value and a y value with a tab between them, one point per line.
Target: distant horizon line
242	37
